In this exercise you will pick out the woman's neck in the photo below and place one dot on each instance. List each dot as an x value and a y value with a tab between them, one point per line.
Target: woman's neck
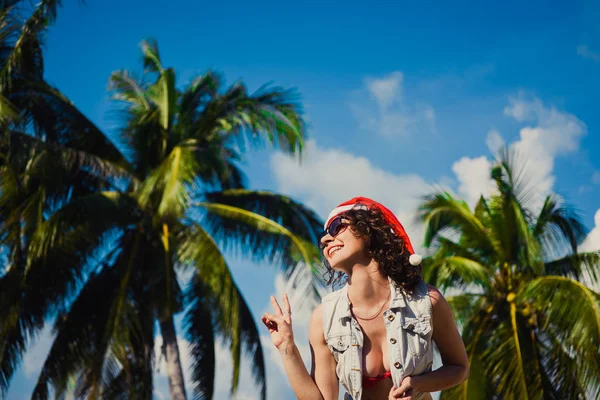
367	287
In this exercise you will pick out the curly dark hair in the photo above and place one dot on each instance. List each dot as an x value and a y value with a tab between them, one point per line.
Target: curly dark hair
384	246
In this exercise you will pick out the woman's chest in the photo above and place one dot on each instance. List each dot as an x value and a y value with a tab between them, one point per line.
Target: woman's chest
375	347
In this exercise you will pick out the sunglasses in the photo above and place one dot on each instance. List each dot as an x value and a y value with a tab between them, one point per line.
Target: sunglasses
335	227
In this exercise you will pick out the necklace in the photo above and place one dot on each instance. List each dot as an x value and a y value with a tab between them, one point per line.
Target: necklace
377	313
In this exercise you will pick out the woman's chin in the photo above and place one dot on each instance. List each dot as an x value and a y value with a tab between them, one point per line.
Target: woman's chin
339	266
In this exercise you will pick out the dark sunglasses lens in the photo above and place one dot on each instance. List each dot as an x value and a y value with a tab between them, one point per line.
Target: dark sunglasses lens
336	226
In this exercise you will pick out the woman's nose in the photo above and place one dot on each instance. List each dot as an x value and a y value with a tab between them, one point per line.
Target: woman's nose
326	240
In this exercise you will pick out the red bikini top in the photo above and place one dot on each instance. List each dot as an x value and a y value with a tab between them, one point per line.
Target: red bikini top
369	382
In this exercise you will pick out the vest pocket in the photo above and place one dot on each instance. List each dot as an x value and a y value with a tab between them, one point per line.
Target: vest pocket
338	345
417	332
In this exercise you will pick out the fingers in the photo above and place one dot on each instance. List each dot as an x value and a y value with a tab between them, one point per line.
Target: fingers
271	325
274	318
276	306
287	308
401	392
286	303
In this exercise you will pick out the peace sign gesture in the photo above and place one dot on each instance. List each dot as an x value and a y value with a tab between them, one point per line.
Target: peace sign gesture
280	323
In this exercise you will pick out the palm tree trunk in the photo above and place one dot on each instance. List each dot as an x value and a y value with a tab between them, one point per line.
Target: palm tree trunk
170	350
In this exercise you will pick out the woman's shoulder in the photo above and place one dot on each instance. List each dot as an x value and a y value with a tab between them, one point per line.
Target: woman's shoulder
438	301
315	326
333	296
434	294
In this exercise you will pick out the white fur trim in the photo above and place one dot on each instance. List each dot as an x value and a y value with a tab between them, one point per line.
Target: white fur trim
415	259
338	210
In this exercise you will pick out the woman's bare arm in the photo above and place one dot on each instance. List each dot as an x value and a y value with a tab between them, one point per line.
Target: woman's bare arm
322	383
323	363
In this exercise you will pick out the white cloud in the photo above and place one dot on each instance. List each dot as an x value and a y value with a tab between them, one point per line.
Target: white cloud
473	175
549	133
596	177
584	51
386	89
592	242
390	116
494	141
327	177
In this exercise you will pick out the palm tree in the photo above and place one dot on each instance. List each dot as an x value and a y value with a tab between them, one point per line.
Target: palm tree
41	131
58	172
530	324
161	228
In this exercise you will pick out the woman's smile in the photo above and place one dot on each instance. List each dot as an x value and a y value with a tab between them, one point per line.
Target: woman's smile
334	249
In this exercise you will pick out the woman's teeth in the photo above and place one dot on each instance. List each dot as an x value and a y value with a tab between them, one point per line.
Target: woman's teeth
334	250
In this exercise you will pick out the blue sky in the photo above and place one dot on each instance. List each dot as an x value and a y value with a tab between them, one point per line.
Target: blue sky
399	97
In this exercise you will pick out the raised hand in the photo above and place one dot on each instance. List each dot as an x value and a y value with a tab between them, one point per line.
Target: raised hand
280	323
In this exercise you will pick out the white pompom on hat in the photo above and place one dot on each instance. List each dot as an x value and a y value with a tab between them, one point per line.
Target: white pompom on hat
364	203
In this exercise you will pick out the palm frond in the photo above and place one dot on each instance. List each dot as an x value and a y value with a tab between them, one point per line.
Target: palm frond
576	328
151	56
88	318
505	364
8	112
520	248
584	267
195	97
25	57
478	385
29	296
441	213
558	225
14	332
171	183
164	95
124	87
513	181
269	116
109	328
465	305
69	159
456	271
242	231
559	369
218	165
57	119
89	216
287	212
200	335
231	314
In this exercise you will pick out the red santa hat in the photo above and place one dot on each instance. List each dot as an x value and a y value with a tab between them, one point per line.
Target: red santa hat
364	203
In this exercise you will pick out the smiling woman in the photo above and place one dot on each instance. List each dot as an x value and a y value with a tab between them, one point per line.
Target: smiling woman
375	335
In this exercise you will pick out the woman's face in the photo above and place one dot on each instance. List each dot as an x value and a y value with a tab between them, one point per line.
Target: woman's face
341	248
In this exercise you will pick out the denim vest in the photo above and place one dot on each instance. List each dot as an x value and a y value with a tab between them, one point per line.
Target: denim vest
408	330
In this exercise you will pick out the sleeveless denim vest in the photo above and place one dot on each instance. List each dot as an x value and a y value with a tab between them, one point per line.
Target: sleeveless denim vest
408	330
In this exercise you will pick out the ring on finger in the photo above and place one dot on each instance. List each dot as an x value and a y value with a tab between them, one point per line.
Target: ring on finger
288	312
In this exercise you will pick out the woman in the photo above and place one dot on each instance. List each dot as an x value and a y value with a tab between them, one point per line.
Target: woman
374	336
